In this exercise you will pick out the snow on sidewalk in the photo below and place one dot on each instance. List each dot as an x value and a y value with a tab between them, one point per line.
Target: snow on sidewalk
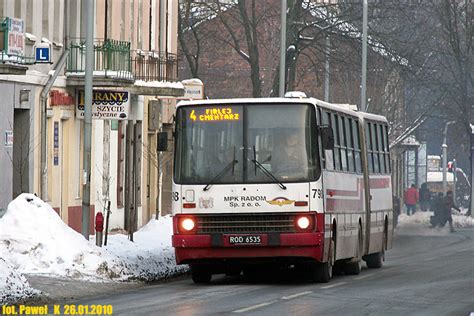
13	286
34	240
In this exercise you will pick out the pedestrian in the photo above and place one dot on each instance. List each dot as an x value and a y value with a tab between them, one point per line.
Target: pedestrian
437	208
447	206
410	199
396	210
425	197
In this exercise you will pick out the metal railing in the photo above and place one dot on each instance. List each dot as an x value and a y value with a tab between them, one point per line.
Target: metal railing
111	58
10	58
115	59
16	59
153	66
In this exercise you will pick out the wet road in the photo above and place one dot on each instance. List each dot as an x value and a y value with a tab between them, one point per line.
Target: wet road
430	273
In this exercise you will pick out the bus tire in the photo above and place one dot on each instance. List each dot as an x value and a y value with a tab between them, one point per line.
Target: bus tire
354	266
375	260
200	275
324	270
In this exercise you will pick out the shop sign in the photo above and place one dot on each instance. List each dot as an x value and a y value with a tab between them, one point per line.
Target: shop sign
193	89
57	97
56	144
8	138
16	36
106	104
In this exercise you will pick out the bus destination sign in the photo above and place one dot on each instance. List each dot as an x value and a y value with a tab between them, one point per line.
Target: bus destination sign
214	114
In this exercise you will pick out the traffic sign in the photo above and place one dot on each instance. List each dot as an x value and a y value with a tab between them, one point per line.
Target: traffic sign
43	54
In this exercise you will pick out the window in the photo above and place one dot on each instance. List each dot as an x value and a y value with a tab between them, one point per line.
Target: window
375	156
368	137
343	143
378	149
355	134
386	148
244	144
337	144
381	149
328	154
349	144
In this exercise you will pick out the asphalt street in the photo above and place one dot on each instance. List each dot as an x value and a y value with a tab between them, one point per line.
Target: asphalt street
422	275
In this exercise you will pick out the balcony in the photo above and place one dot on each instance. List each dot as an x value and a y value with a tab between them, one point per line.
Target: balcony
116	65
112	64
12	59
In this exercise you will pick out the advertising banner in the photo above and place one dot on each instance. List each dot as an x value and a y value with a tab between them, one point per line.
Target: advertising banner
16	37
106	104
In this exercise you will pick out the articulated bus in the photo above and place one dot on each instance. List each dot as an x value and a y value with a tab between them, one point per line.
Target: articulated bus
280	181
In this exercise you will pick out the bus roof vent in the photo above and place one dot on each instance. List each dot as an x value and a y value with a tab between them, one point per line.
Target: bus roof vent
352	107
295	94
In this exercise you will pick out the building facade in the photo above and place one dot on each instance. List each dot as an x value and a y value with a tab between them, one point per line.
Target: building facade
135	69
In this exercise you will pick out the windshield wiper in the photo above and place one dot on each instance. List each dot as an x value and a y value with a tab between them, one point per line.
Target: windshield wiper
265	171
223	171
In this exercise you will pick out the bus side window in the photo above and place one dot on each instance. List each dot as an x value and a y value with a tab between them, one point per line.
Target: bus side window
320	120
387	148
337	144
368	137
343	143
381	149
375	149
355	134
350	145
329	154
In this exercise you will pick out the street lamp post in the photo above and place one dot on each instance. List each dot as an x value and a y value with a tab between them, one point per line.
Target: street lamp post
86	195
281	90
363	98
445	156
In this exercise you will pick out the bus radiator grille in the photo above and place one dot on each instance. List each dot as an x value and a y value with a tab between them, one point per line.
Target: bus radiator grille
261	223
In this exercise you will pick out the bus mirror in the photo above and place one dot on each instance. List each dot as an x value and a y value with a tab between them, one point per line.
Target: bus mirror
162	144
327	137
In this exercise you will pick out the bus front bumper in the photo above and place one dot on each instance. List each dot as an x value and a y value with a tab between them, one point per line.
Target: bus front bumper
195	248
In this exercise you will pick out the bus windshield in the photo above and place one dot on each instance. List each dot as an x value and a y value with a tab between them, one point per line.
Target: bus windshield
254	143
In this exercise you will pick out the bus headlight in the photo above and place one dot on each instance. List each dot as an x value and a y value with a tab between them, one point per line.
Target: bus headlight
187	225
304	222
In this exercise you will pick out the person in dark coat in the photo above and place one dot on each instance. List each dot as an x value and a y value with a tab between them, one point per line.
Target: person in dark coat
425	197
436	207
396	210
447	204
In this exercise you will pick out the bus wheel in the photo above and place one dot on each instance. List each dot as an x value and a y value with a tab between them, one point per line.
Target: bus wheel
375	260
324	270
200	275
354	266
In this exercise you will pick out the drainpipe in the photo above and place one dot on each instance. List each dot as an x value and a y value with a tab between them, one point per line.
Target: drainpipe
44	137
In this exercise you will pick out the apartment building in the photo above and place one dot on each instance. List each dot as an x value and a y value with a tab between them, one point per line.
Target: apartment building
135	89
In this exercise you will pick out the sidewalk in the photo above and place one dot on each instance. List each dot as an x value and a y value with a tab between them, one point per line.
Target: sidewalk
60	289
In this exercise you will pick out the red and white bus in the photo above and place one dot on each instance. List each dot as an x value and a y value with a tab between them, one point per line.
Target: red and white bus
280	181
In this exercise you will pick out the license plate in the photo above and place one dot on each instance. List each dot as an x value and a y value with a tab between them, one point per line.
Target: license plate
245	240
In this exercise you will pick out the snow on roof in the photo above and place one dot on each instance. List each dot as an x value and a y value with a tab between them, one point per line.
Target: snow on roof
159	84
192	81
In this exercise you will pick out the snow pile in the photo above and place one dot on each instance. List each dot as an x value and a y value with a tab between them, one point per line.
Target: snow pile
150	256
13	286
36	241
419	224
